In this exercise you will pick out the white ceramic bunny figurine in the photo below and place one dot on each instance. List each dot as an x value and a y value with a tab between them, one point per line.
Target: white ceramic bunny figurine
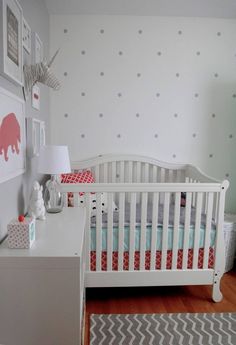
36	203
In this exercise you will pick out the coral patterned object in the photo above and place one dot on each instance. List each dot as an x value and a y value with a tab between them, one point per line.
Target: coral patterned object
83	177
21	234
148	260
9	135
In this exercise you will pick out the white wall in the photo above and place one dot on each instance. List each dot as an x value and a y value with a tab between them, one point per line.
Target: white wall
14	194
162	87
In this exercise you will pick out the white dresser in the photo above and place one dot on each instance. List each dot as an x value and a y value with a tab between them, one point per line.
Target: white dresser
42	288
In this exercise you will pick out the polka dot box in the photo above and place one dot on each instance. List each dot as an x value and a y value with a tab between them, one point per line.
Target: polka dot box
21	234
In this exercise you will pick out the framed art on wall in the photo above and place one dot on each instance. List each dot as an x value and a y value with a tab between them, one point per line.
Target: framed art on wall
12	135
11	56
37	48
26	39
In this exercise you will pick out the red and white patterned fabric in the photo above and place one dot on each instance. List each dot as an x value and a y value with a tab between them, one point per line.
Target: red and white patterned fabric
83	177
148	260
73	178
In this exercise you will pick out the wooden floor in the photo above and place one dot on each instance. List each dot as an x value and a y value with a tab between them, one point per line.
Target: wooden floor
171	299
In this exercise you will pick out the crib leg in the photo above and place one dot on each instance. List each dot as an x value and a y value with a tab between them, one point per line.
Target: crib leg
216	293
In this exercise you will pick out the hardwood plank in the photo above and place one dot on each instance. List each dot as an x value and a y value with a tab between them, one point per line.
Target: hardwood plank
171	299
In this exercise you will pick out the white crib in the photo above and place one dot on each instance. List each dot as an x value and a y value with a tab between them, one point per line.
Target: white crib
143	183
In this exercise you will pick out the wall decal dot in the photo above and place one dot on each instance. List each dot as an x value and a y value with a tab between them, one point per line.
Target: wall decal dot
65	31
102	31
118	135
138	75
218	33
158	94
211	155
177	75
213	115
65	74
66	115
196	95
120	52
194	135
83	52
175	115
119	94
159	53
156	135
216	75
101	74
234	95
227	175
101	115
231	136
82	136
174	155
180	32
198	53
140	32
82	94
137	115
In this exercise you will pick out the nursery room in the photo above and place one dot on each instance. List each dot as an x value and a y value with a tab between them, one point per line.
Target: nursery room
117	172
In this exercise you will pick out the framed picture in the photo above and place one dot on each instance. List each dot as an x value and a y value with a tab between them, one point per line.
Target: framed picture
26	36
11	56
35	136
12	135
37	48
36	97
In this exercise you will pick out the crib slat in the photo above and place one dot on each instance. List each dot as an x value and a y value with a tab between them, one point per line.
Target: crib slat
121	230
109	232
143	230
155	202
76	199
130	172
88	229
146	173
132	230
65	199
208	230
176	230
98	231
138	172
197	230
165	230
186	229
105	172
215	206
154	173
113	172
122	171
97	173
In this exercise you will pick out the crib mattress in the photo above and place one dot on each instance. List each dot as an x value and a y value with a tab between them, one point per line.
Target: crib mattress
159	232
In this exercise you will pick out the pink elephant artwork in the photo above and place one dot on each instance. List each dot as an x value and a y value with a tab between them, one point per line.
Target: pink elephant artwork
9	135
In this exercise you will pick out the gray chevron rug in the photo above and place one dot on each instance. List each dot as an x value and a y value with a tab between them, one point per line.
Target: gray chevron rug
163	329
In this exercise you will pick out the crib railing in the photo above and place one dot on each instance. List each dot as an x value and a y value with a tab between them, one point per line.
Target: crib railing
207	198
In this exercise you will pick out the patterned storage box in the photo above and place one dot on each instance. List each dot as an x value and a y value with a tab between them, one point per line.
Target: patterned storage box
21	234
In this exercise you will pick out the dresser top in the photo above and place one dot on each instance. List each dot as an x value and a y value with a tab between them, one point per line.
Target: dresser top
60	235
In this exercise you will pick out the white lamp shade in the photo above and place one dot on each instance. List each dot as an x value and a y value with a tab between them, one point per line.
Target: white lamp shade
54	160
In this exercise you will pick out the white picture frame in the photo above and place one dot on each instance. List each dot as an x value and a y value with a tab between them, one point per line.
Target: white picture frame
35	94
37	48
11	53
12	136
36	136
26	36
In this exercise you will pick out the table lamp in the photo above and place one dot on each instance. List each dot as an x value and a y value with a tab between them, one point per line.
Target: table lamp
53	160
